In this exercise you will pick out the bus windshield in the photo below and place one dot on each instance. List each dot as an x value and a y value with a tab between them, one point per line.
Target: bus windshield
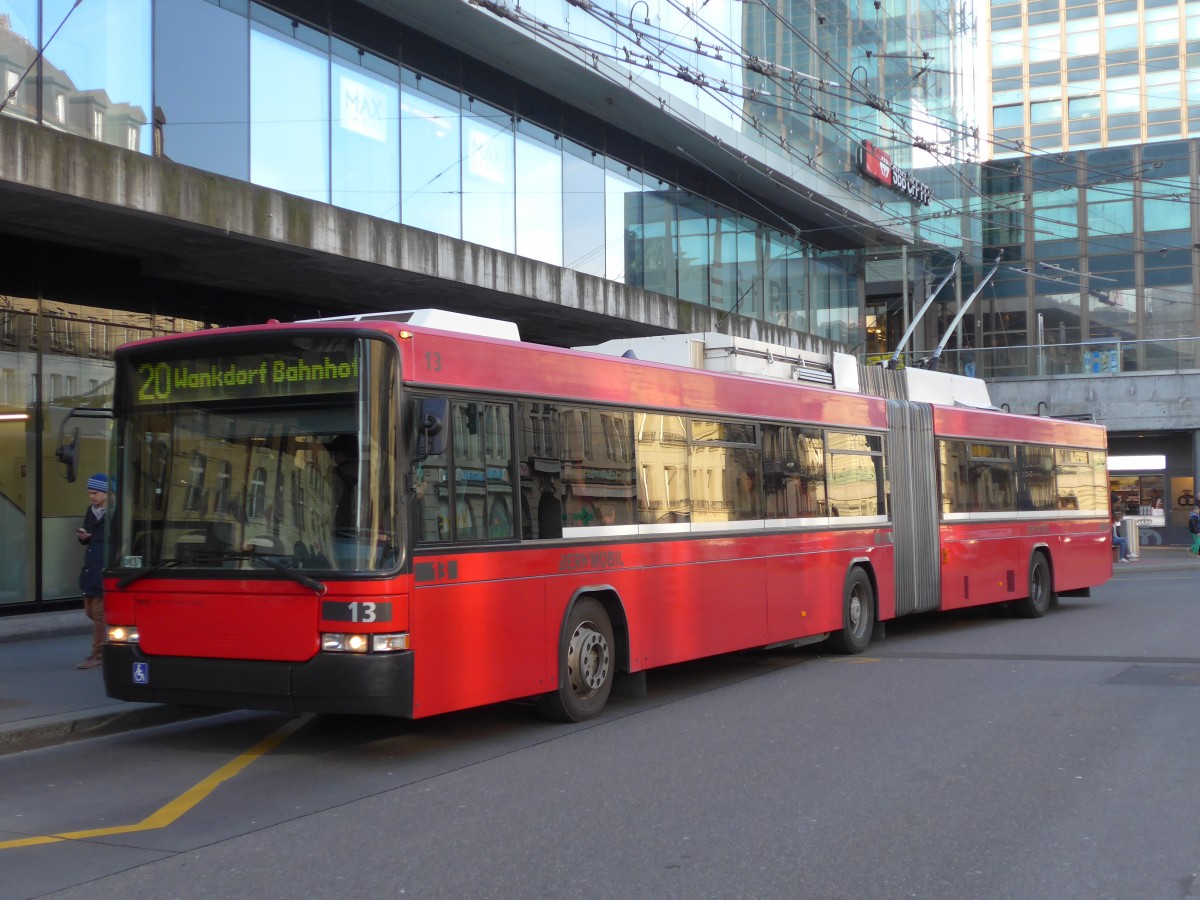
280	456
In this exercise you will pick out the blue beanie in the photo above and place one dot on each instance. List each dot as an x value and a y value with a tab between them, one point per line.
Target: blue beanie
98	483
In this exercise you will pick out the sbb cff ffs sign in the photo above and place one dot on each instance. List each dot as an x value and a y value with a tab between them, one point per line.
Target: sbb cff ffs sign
877	166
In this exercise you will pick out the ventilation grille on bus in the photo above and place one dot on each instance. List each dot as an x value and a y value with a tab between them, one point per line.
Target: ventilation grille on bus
806	371
966	587
1011	580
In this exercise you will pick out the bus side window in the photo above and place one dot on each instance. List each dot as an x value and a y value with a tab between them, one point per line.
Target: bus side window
794	472
431	504
483	470
541	451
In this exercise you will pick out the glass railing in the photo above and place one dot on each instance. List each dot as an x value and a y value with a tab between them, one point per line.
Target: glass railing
1093	358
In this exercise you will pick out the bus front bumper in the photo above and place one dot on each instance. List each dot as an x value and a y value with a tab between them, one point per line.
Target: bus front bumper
377	684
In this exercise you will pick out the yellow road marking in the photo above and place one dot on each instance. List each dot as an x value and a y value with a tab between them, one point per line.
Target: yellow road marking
169	813
846	659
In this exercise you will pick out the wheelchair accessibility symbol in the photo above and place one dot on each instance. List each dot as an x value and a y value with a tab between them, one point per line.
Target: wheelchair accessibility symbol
141	673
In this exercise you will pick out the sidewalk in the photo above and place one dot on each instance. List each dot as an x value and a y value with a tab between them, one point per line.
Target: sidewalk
1159	559
45	700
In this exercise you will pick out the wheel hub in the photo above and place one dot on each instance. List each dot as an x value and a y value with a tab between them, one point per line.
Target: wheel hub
855	611
587	660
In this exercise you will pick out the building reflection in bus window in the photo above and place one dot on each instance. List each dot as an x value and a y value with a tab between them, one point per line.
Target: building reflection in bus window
662	453
1035	470
793	472
857	478
576	466
472	498
1075	484
725	471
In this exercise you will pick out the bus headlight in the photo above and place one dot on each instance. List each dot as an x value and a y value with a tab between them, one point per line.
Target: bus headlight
362	643
122	634
344	643
386	643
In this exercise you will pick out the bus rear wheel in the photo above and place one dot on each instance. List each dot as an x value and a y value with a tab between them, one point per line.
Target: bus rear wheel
858	615
1041	589
586	665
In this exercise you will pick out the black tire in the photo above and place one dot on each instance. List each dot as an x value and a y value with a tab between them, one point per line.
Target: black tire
1041	589
858	615
586	665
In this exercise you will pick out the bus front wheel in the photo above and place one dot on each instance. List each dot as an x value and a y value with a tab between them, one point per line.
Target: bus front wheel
586	665
858	615
1041	589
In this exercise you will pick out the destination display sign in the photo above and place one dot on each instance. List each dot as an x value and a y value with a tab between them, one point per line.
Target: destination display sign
245	376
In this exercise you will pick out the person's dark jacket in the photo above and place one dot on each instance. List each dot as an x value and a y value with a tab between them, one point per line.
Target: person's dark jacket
91	581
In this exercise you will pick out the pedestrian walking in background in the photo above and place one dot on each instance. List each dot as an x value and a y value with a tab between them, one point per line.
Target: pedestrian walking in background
1194	528
91	581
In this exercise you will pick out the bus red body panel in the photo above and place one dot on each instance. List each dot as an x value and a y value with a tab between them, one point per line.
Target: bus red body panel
986	424
991	564
739	505
236	619
519	369
489	634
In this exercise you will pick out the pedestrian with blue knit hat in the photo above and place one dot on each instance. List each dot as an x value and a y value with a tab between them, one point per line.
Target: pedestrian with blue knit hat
91	577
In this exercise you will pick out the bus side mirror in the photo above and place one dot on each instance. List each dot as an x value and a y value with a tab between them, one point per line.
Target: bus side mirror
68	455
431	431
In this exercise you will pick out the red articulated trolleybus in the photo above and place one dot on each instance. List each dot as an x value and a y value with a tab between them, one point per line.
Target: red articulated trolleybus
371	516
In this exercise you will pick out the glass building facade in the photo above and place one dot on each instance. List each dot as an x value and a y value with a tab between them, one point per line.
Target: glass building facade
1082	74
1098	225
244	90
55	361
1099	266
337	103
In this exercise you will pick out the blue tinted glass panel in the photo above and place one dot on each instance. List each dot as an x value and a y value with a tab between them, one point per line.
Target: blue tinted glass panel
776	292
489	178
1049	111
583	214
1110	218
430	174
539	195
365	135
693	251
837	309
798	288
102	87
659	251
724	272
1008	116
1166	215
749	301
202	86
289	110
624	231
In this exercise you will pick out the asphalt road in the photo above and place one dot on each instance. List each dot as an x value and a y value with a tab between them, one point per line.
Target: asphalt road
966	756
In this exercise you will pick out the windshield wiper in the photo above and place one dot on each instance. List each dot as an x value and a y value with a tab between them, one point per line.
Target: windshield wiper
142	573
297	576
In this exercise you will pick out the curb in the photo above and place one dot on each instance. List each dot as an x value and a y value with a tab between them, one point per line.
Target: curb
68	727
43	625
